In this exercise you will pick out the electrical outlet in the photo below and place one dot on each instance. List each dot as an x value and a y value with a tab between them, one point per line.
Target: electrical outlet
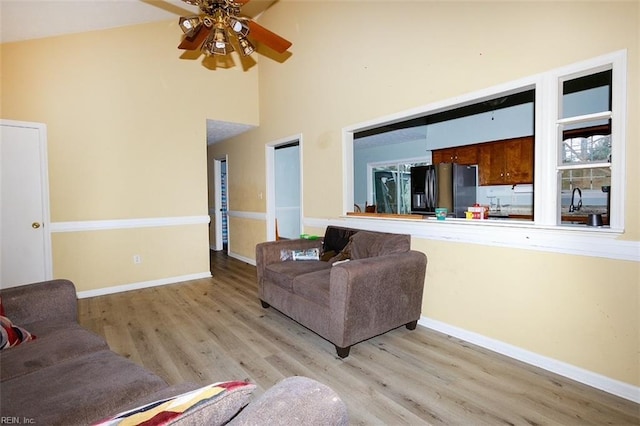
137	259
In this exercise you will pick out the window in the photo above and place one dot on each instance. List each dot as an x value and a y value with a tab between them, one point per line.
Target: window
391	185
584	163
576	115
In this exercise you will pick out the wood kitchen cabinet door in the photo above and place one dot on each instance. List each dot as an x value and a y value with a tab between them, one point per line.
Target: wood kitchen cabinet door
508	162
466	155
519	161
442	156
491	164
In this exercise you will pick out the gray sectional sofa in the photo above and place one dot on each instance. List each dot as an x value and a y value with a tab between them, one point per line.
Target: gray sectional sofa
364	284
68	375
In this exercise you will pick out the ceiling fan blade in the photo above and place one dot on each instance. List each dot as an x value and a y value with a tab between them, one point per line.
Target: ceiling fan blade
193	43
268	38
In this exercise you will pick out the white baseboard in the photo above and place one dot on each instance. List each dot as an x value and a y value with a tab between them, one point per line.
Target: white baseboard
598	381
242	258
144	284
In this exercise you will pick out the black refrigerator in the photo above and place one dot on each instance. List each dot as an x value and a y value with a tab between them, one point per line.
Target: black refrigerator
448	185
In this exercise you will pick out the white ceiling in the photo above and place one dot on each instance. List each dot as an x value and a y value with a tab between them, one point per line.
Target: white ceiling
393	137
220	130
31	19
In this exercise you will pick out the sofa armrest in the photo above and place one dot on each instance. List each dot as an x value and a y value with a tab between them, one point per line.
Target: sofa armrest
373	295
295	400
47	300
269	252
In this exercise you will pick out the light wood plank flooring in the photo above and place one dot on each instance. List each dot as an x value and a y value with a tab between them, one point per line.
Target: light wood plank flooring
215	329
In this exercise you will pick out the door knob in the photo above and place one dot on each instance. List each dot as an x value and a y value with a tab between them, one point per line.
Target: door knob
35	225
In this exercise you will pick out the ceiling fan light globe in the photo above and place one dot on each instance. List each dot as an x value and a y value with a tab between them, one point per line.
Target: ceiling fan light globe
239	27
245	46
190	25
222	49
218	43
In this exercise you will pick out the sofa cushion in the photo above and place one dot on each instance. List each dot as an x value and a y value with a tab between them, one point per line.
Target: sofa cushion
78	391
283	273
12	335
64	342
371	244
214	404
314	286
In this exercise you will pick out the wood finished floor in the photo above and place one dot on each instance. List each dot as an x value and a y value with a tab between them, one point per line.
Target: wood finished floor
215	329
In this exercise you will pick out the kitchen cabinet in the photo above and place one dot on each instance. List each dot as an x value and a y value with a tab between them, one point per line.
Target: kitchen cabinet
507	162
466	155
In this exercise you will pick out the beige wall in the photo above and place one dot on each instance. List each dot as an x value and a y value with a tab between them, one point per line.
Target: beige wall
107	255
126	120
358	61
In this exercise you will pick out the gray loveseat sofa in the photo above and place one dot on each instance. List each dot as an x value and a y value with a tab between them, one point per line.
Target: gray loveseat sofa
365	284
68	376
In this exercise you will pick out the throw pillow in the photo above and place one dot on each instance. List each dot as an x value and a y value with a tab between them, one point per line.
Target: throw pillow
1	307
336	238
213	404
327	255
345	253
12	335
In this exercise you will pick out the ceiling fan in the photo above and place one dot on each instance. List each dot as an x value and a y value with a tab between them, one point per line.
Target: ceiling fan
219	19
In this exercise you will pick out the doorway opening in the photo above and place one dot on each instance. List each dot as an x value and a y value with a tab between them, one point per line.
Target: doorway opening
220	205
284	188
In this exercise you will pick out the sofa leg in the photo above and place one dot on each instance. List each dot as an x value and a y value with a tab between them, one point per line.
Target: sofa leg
412	325
343	352
264	304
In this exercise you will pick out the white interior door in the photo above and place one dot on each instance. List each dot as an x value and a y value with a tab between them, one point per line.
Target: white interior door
25	242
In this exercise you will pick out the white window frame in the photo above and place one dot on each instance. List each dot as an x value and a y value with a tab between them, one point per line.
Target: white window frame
548	89
544	233
546	210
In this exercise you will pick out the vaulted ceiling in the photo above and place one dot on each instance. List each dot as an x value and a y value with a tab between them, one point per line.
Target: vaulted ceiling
31	19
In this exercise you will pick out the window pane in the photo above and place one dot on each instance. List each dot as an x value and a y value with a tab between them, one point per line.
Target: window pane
404	189
392	187
586	95
593	179
589	143
384	189
585	191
